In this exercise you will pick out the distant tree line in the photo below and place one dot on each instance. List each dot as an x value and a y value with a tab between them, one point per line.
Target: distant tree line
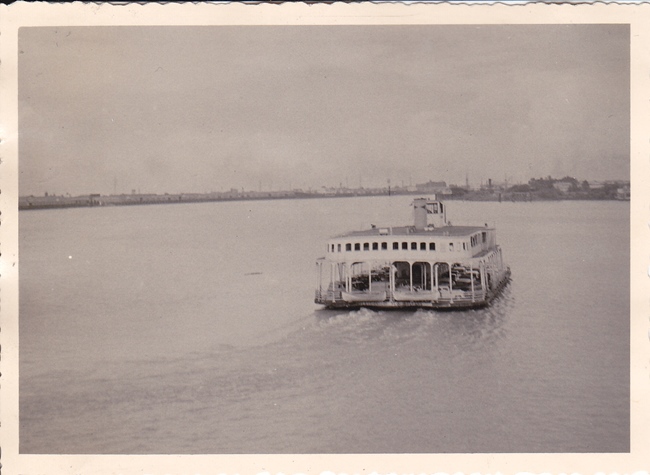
546	188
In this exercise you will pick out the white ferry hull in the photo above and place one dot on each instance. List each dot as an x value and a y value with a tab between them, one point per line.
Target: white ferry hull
352	297
458	300
416	296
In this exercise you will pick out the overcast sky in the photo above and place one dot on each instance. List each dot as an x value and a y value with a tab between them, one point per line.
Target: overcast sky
197	109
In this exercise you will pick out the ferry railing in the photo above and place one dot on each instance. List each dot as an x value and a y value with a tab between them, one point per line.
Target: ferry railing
329	295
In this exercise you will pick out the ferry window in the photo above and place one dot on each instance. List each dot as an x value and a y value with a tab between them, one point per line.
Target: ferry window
451	246
464	246
423	246
338	248
405	245
414	246
366	246
348	247
484	236
395	245
357	246
384	246
432	246
332	247
375	246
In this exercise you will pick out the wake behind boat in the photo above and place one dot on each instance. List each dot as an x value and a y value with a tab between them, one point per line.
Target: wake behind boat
431	264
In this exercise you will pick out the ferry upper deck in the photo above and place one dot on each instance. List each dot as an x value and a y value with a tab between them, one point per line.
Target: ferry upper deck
465	241
430	234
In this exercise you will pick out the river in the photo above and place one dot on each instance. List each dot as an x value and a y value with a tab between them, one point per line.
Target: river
191	328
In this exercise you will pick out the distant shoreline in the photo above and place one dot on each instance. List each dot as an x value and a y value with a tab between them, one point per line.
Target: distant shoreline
96	200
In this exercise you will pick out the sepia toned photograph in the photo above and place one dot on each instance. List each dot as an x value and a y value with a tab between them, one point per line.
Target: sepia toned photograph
324	239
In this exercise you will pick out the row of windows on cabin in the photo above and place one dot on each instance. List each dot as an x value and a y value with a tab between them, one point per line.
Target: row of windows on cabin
475	241
413	246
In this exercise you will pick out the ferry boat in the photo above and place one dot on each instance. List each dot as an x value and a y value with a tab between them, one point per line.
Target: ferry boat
431	264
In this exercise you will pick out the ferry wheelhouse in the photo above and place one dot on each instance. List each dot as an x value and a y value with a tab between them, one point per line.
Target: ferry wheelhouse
431	264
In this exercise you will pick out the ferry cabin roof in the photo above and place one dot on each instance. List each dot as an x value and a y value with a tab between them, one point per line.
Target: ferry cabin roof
411	230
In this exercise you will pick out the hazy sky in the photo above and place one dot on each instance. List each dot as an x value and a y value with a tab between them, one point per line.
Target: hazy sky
195	109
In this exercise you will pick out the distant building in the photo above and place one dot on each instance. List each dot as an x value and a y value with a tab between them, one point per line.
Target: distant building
439	187
595	185
623	193
563	186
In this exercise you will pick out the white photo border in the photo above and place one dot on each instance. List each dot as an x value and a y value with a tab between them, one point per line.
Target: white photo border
40	14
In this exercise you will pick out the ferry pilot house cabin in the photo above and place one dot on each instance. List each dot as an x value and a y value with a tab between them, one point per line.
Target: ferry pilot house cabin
430	264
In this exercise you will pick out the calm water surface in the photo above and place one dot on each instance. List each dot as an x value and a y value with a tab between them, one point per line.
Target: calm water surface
191	328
